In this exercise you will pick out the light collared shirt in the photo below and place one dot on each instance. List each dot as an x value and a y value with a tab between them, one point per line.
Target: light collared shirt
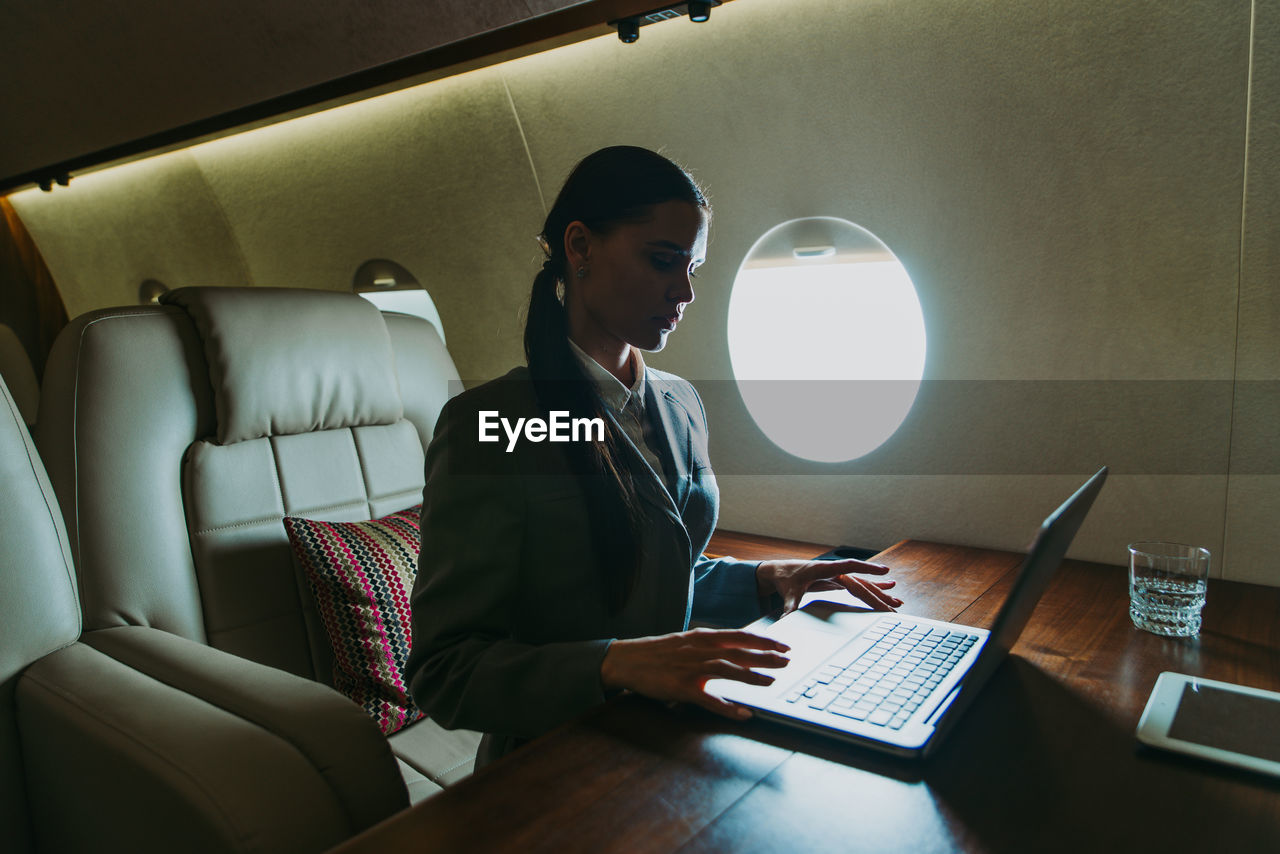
627	406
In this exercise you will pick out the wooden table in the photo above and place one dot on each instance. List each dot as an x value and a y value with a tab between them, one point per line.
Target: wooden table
1044	760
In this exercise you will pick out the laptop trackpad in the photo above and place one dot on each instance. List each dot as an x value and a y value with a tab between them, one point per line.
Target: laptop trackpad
814	633
823	616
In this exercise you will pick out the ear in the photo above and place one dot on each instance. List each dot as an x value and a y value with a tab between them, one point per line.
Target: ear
577	244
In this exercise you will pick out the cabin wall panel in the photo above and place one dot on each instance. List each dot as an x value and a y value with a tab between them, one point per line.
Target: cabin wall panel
1029	163
990	511
436	179
1259	350
153	219
1253	510
1062	183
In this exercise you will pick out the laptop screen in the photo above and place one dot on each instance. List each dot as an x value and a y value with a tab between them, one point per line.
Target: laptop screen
1046	554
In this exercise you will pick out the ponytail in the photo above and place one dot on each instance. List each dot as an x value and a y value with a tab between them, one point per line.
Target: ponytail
613	506
607	188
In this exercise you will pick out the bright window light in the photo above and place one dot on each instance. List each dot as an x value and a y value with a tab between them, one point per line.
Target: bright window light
826	339
415	301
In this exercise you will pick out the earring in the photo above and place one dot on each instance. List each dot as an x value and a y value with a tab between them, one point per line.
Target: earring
582	272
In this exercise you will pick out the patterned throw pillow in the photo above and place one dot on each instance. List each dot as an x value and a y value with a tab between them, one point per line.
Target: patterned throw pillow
361	574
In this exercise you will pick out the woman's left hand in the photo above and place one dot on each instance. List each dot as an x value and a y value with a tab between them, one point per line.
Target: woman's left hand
791	579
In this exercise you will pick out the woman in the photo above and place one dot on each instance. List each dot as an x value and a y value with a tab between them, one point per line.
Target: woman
554	573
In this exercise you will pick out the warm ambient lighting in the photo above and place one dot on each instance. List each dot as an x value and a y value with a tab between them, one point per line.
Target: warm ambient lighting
828	347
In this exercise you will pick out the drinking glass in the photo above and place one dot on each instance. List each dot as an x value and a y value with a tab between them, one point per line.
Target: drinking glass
1167	584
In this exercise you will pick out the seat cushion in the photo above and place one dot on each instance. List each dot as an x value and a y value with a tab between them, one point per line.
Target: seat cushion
443	756
361	574
419	786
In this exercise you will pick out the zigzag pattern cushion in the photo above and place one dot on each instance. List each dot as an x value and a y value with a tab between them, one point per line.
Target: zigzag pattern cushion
361	574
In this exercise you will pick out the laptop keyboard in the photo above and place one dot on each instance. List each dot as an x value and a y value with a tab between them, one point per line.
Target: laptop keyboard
884	684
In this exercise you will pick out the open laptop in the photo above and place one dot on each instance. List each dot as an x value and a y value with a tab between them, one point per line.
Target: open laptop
893	682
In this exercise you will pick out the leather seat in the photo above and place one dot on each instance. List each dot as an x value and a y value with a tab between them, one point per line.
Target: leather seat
133	739
19	374
178	436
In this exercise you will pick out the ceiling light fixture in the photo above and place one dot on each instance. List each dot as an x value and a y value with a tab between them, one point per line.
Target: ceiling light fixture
697	11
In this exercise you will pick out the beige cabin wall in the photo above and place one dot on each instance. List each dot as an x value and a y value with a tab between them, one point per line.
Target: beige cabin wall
1063	182
436	179
113	229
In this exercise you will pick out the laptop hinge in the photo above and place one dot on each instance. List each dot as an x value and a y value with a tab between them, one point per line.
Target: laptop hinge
932	720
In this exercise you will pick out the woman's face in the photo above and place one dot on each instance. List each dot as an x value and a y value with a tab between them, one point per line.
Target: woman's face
638	278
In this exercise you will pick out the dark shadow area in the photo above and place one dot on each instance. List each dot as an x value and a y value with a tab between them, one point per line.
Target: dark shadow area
847	552
1033	766
29	300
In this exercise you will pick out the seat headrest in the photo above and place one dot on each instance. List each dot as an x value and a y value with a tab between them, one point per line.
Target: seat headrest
287	360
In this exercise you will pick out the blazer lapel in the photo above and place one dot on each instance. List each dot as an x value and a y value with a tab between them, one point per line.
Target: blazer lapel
677	451
648	483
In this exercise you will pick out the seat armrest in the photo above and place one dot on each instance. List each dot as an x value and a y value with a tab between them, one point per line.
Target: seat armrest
145	741
339	738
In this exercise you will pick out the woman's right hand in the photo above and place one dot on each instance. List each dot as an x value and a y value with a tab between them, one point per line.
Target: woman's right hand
677	667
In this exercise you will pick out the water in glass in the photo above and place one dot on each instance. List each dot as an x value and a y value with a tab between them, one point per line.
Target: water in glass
1167	606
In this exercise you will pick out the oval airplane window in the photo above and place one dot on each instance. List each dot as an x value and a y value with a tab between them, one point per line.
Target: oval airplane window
413	301
391	287
826	338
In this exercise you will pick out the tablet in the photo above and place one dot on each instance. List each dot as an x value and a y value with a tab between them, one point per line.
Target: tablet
1214	720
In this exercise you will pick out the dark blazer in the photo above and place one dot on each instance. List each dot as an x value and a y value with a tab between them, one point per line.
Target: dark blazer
509	619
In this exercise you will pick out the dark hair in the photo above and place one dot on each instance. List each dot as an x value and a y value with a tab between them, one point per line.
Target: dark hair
606	189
